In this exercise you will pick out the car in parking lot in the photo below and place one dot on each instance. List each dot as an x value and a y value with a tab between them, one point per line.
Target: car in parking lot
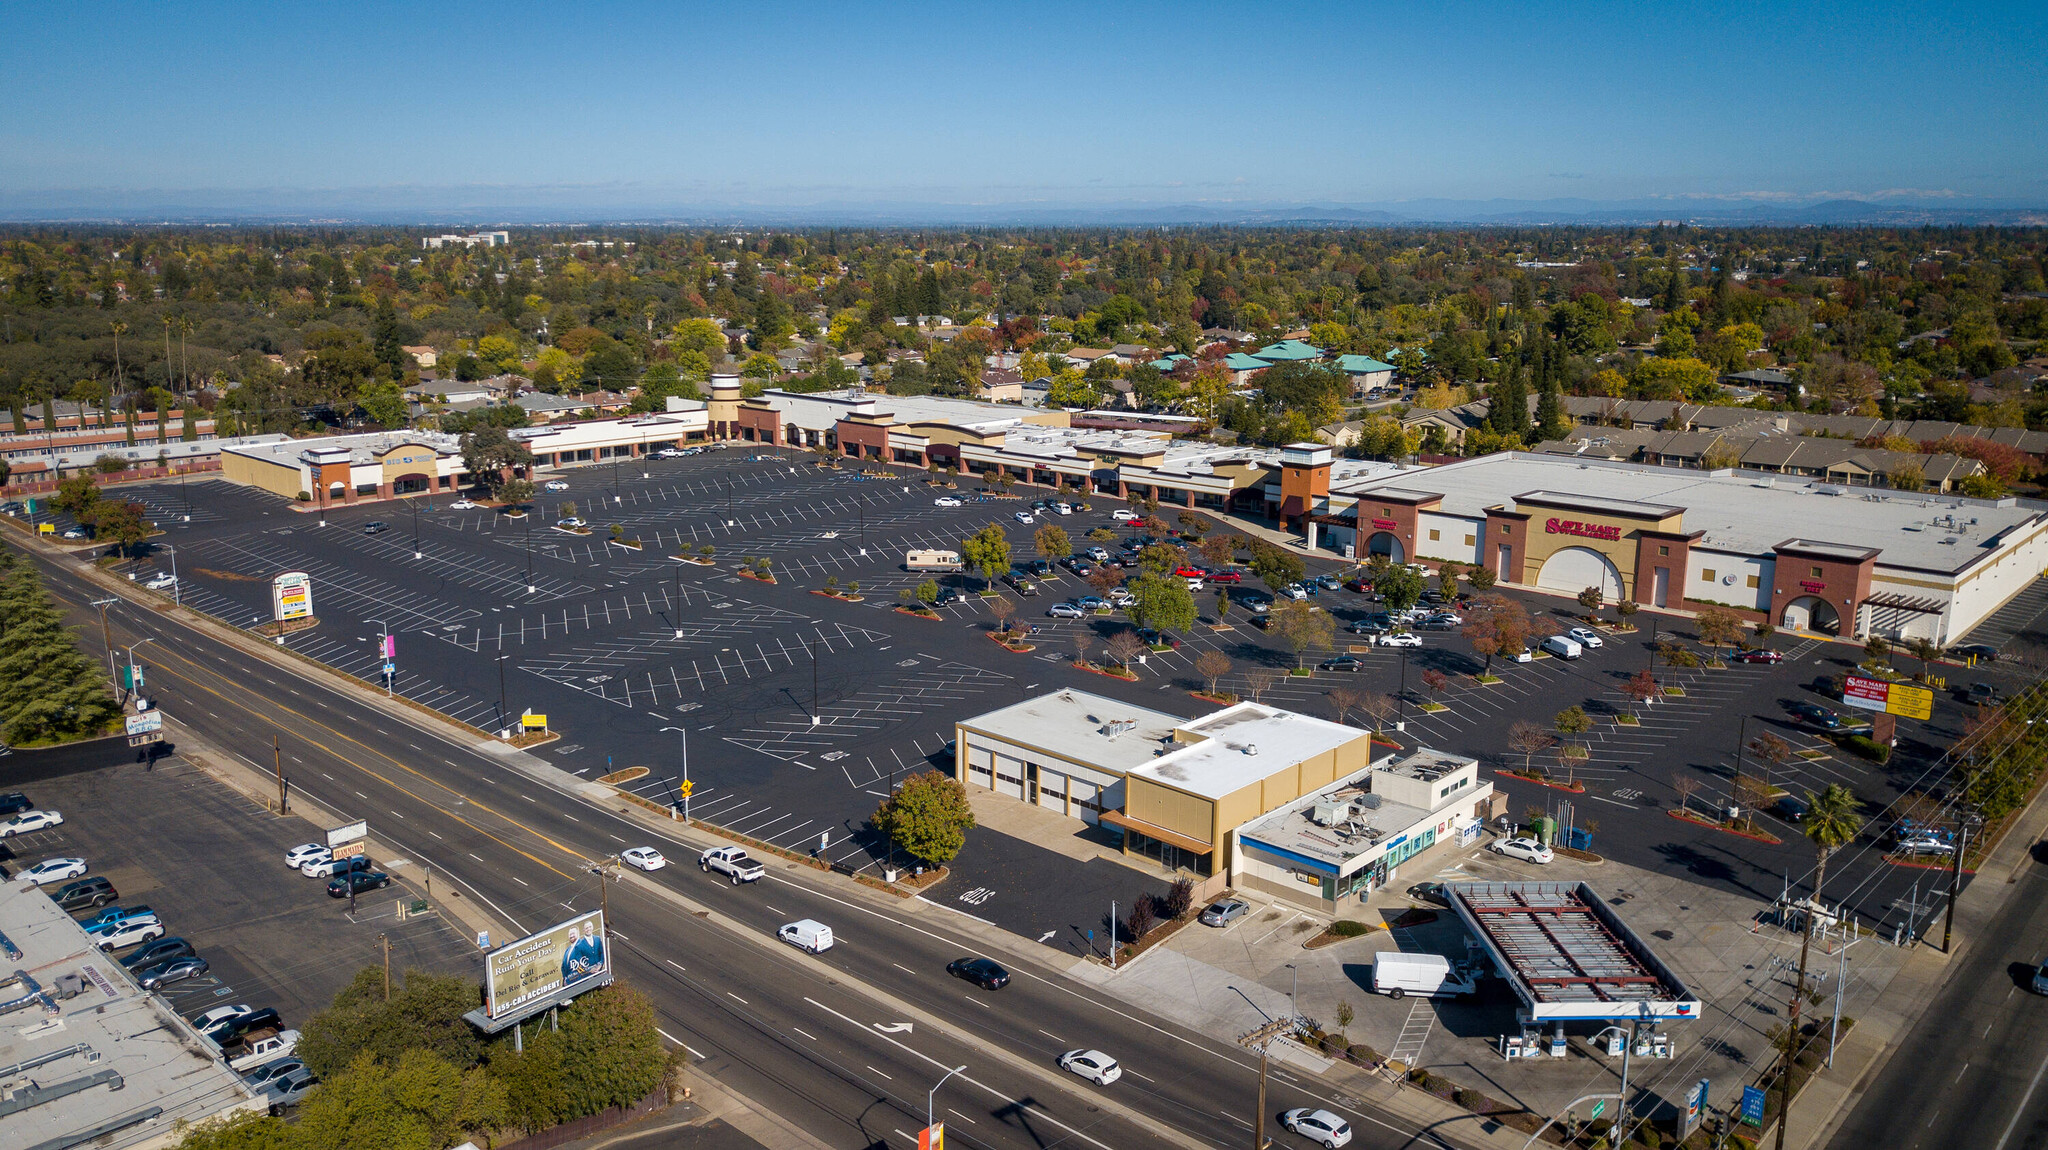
121	936
1093	1065
1437	623
1341	663
1981	694
982	972
555	485
1431	893
644	858
1295	591
1097	553
571	521
1065	611
289	1088
356	882
1318	1126
1257	602
1080	567
1526	849
463	505
85	893
1226	576
330	867
14	802
1790	807
1091	603
1978	651
270	1072
1817	715
1760	655
949	595
164	581
1225	911
1152	638
304	853
162	974
1039	568
28	821
946	501
1126	515
225	1023
1585	637
376	527
1370	627
119	914
53	870
1399	639
1120	596
1924	842
1358	585
1024	517
74	533
162	950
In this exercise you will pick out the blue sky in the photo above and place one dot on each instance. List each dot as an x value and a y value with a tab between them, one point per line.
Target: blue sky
1047	104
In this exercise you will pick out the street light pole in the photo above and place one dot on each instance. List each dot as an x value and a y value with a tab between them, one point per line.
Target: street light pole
131	661
384	644
686	787
1969	820
501	691
933	1093
812	652
177	588
415	529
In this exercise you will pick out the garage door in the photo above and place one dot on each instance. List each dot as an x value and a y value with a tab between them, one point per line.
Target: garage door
1574	569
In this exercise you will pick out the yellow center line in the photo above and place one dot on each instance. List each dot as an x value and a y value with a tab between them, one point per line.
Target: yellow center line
169	654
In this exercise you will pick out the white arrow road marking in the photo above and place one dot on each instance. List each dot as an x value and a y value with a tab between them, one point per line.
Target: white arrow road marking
893	1027
1047	935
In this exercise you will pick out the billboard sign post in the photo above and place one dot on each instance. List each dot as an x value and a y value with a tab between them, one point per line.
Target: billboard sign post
554	964
291	596
1907	700
1752	1111
348	832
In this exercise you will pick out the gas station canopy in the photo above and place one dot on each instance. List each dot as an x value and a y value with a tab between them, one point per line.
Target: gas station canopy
1567	954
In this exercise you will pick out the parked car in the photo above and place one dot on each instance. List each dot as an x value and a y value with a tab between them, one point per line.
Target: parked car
124	935
1817	715
1126	515
1099	554
331	867
376	527
1318	1126
1924	843
1360	585
1093	1065
1040	568
28	821
356	882
1294	591
1341	663
1078	566
1791	808
1091	603
949	595
270	1072
1760	655
1562	647
1399	639
1978	651
1585	637
119	914
1223	912
162	950
162	974
257	1047
1121	597
1431	893
85	893
164	581
807	934
224	1024
644	858
571	521
1024	517
1980	694
14	802
304	853
53	870
1152	638
1232	577
1021	583
74	533
982	972
555	485
946	501
1065	611
463	505
1526	849
289	1088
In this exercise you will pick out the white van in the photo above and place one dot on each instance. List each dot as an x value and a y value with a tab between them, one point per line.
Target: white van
1562	647
1430	975
809	934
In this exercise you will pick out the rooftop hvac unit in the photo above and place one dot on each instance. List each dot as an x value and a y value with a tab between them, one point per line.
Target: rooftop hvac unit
1118	726
1370	801
1326	813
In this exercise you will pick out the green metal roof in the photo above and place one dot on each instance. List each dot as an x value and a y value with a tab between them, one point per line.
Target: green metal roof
1239	361
1288	349
1361	364
1169	362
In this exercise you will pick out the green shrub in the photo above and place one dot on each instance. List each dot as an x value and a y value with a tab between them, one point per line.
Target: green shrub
1869	748
1360	1052
1348	928
1469	1099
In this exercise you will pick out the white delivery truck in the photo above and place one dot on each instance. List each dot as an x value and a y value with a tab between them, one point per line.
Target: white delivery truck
1399	975
933	560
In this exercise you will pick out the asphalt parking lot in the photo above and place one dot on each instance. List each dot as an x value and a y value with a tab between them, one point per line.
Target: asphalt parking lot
211	864
798	711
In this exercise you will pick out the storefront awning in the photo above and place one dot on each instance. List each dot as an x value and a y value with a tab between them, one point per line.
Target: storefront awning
1915	604
1150	831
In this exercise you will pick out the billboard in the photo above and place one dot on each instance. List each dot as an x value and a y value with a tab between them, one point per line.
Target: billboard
145	722
550	965
291	596
1904	699
348	832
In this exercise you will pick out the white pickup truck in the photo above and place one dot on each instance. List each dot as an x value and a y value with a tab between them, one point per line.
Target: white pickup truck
261	1046
731	862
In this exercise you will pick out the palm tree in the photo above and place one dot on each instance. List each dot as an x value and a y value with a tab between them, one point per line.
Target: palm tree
1832	822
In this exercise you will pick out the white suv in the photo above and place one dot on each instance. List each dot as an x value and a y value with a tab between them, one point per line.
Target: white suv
128	934
1528	850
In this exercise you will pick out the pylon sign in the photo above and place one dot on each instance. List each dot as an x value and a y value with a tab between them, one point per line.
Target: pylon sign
932	1137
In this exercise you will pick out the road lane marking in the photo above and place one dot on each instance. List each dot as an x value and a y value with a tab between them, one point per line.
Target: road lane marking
737	998
872	1069
800	1030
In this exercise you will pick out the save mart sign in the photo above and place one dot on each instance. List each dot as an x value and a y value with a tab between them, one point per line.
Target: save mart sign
1906	700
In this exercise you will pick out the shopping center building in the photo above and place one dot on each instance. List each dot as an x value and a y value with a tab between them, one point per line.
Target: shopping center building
1192	794
1799	553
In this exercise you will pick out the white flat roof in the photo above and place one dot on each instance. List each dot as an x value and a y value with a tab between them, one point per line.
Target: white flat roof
1289	828
1242	745
1745	513
362	449
137	1068
1082	727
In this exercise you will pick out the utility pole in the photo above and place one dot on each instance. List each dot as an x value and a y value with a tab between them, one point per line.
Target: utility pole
1259	1039
386	940
1970	820
106	638
604	870
277	765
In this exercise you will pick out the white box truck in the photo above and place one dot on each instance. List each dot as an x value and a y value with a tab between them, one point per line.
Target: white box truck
1399	975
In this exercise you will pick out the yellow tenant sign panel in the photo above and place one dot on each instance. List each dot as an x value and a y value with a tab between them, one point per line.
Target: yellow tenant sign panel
1906	700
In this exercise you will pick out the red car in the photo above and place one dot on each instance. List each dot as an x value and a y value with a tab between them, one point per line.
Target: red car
1226	577
1191	573
1764	655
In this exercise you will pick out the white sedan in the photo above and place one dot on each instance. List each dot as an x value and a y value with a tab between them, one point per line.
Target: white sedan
1528	850
1093	1065
1400	639
304	853
946	501
28	821
162	583
1319	1126
53	870
1024	517
1585	637
555	485
463	505
646	858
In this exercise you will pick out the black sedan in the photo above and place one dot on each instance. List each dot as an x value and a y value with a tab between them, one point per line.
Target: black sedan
1817	715
160	951
981	972
1342	663
176	970
1760	655
357	883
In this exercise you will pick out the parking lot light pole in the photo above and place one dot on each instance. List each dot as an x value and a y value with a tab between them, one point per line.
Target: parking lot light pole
177	588
501	691
813	653
528	517
686	788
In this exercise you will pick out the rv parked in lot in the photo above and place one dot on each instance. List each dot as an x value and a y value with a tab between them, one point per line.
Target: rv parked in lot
933	561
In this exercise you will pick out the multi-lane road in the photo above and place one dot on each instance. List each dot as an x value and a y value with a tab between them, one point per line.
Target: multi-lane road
844	1045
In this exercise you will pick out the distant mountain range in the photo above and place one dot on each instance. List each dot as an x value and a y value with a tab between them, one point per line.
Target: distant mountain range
464	207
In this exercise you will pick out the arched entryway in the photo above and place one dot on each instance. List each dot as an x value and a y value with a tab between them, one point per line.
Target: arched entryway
1812	613
412	483
1574	569
1388	544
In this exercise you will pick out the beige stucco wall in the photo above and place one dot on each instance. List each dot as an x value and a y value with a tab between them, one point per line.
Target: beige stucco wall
278	479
